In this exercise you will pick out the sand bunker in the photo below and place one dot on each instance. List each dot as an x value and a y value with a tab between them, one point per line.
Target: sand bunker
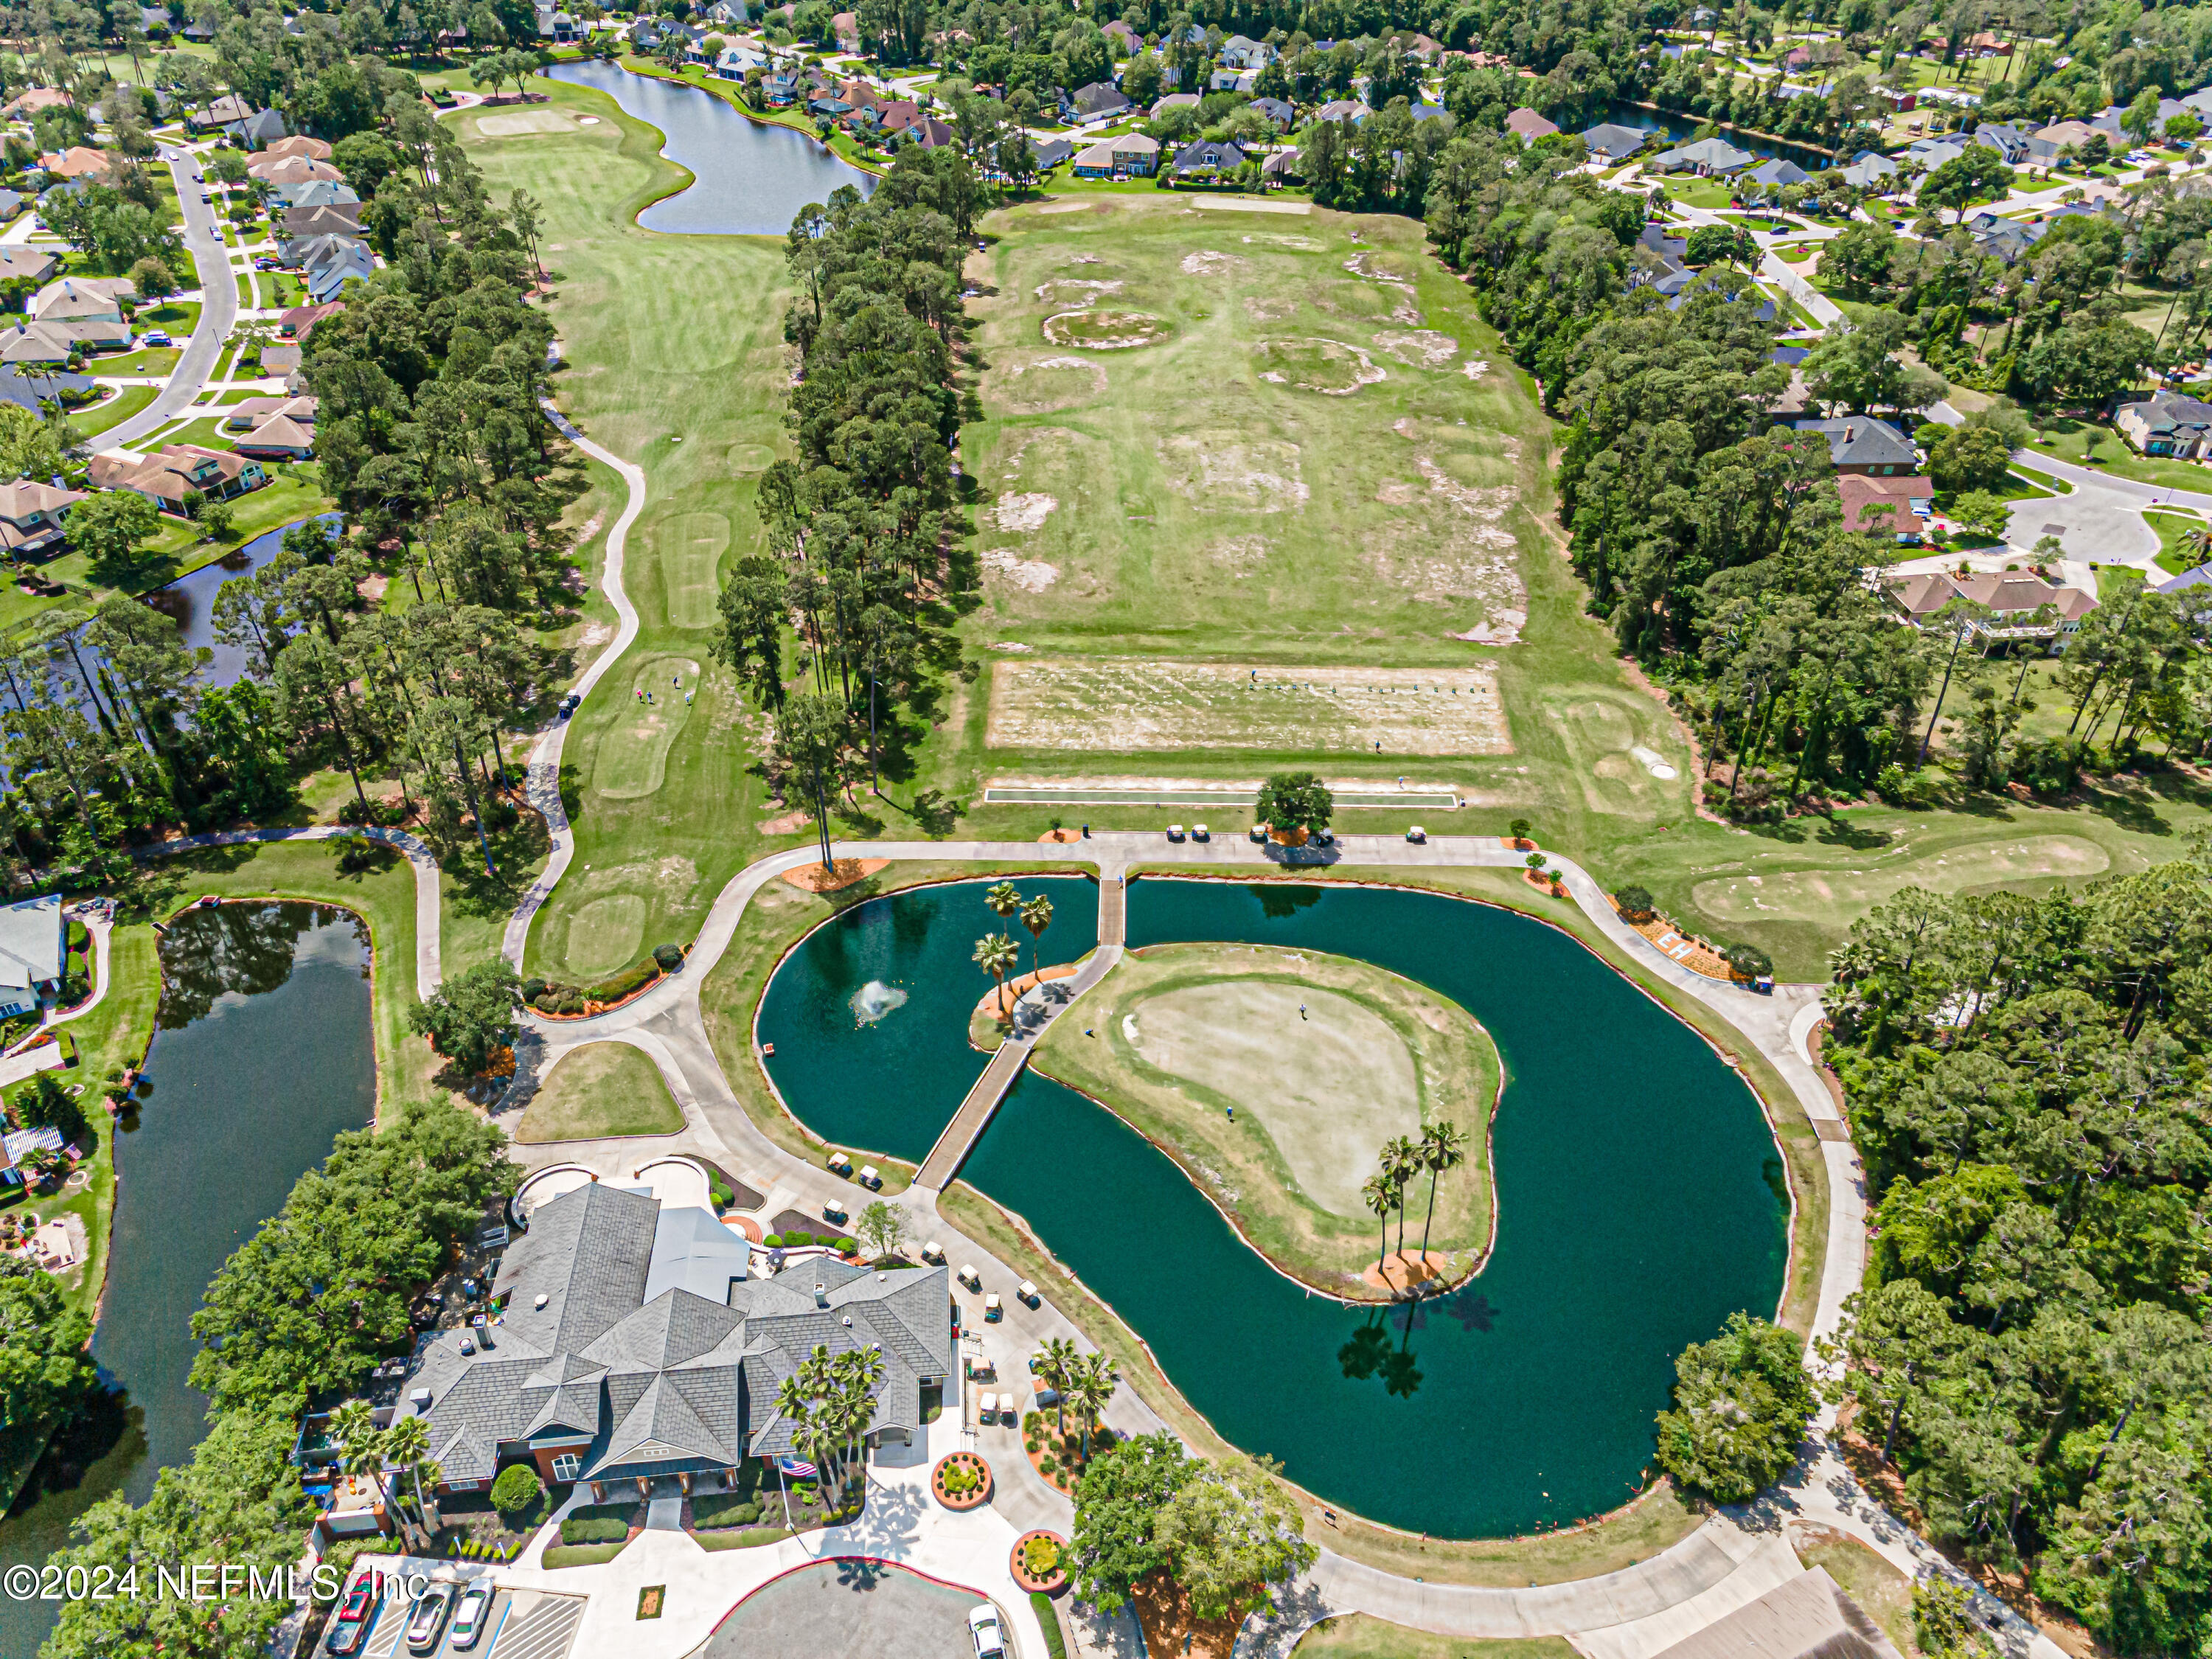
1019	515
521	123
1104	330
1332	368
1075	292
1063	207
1030	575
1474	368
1425	348
1208	263
1123	704
1226	472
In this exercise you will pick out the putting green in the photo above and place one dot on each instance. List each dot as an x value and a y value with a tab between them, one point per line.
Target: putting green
1841	896
604	935
691	548
750	458
1177	1034
632	756
601	1089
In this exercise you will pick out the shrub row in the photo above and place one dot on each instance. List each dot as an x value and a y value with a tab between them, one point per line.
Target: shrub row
801	1241
552	996
577	1530
724	1509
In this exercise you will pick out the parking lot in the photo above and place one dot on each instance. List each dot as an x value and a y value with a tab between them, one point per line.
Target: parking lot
521	1625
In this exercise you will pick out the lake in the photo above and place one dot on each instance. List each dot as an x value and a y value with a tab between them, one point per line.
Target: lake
262	1053
748	178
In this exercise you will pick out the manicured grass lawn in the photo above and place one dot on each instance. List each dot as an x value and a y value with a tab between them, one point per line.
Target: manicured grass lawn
178	317
1322	1059
2174	555
601	1089
1865	1576
1359	1636
2069	440
1795	254
669	338
153	360
126	402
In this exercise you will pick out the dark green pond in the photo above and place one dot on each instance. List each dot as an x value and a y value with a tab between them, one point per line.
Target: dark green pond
262	1053
1640	1201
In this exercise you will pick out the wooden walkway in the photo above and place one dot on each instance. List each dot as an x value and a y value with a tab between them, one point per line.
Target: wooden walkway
1113	908
952	1147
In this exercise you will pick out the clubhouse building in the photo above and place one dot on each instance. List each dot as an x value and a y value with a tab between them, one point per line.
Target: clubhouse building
627	1343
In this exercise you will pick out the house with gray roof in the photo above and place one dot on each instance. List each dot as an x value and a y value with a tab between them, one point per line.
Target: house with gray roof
32	934
1772	175
1870	170
1703	156
1860	443
630	1344
1613	141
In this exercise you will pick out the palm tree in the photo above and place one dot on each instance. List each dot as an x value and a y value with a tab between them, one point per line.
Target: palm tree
995	953
1091	1386
1377	1196
1004	899
1401	1160
855	1375
1056	1365
1443	1146
1036	916
406	1448
352	1428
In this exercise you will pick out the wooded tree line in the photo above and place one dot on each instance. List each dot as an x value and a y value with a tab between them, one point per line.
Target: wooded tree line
300	1313
2025	1084
865	560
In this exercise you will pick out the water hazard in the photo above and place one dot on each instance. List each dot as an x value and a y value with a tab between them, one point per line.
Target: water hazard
748	178
262	1053
1641	1200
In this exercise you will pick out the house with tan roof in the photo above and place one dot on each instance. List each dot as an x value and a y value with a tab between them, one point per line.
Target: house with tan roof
1528	126
2024	605
33	343
1132	155
1894	506
78	161
167	477
298	322
31	515
313	149
21	263
28	102
291	169
81	299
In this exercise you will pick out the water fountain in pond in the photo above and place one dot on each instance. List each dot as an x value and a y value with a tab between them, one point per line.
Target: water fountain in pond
874	999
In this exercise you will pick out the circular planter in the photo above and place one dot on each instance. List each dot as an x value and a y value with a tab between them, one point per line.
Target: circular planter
964	1461
1053	1581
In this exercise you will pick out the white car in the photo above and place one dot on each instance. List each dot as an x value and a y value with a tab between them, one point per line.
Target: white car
983	1631
428	1623
468	1615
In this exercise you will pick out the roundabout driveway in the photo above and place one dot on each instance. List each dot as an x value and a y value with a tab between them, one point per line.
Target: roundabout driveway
2093	522
847	1606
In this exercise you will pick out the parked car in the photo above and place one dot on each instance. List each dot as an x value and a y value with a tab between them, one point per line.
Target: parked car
469	1614
983	1631
156	337
432	1608
355	1614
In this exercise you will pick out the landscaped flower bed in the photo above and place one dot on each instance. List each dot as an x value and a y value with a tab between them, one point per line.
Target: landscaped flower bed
961	1482
1039	1562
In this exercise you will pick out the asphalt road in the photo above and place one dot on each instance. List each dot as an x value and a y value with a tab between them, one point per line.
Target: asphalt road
218	309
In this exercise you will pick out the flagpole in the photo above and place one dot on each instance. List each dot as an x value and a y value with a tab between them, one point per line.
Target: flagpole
786	1494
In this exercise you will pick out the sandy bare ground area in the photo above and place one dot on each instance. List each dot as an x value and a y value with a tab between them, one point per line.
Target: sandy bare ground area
1128	704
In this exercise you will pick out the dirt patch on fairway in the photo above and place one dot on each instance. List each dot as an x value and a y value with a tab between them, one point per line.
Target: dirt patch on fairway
1030	575
1051	383
1105	331
1332	368
1224	472
1263	309
1458	550
1295	244
1205	262
1830	895
1374	267
1020	515
788	824
1474	368
1423	349
1240	554
813	878
1122	704
1075	292
1063	207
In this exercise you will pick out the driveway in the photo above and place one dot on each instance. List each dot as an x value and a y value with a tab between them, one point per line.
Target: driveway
218	309
847	1606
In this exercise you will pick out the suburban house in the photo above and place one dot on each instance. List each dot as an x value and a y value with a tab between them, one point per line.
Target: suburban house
80	299
331	262
1807	1617
262	127
1050	153
1892	507
78	161
1860	443
299	144
27	264
34	391
2025	605
1279	114
2062	136
1100	98
1528	126
729	13
847	27
31	516
628	1344
167	477
1132	155
299	223
1173	100
1130	42
17	1144
320	192
1704	157
57	341
1241	52
298	322
279	438
26	104
2167	424
1870	171
291	169
1281	167
224	110
1773	175
2010	142
1205	158
1611	141
33	933
1337	109
734	62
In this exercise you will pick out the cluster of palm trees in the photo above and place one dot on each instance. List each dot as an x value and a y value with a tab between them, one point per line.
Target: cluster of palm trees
1084	1381
1442	1145
405	1448
996	953
831	1400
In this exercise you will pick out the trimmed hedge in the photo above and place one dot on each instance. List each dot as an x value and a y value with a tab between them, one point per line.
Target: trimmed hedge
724	1509
618	986
599	1523
1050	1620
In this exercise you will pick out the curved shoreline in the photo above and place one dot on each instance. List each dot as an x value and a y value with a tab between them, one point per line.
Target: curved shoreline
1386	1298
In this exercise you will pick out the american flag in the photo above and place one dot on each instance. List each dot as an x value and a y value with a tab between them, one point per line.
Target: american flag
798	1467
